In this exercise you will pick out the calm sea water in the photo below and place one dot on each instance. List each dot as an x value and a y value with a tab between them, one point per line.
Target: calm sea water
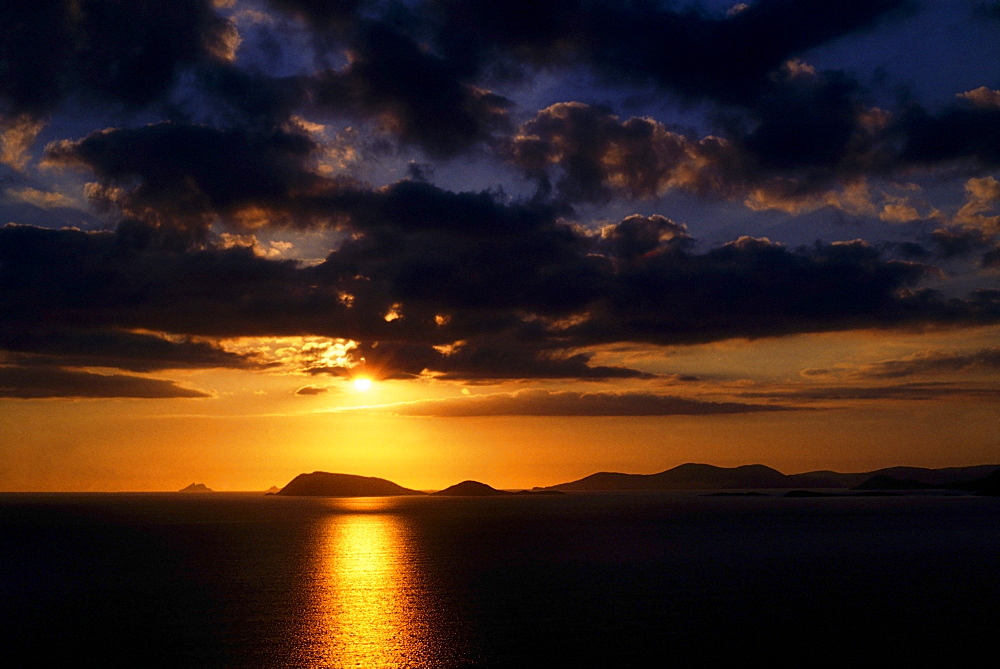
589	580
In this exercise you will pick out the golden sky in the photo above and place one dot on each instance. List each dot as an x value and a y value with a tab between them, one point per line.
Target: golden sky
255	430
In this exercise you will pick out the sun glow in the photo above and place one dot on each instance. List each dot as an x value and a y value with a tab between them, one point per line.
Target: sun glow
362	384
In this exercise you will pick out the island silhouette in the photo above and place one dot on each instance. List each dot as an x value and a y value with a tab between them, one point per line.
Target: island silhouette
977	479
196	487
325	484
471	489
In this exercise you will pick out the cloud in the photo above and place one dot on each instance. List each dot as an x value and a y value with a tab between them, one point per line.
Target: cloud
966	134
907	391
17	133
183	175
637	237
992	257
221	137
124	53
50	382
982	97
956	241
483	359
132	351
975	226
41	199
804	146
934	362
982	199
789	136
411	93
490	360
755	288
421	72
477	289
130	279
322	14
311	390
689	51
599	156
565	403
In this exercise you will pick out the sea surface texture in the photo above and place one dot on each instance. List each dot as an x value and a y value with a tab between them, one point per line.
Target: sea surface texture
581	580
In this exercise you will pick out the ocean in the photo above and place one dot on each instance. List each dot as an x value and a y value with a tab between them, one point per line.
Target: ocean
578	580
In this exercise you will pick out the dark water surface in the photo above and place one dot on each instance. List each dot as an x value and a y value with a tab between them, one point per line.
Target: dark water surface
587	580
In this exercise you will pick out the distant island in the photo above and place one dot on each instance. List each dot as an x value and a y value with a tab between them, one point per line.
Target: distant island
325	484
979	479
471	489
756	477
196	487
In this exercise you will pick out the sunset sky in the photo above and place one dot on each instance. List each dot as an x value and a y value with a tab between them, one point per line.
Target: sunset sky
504	240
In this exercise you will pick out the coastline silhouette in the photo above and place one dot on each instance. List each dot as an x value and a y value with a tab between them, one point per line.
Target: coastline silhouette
978	479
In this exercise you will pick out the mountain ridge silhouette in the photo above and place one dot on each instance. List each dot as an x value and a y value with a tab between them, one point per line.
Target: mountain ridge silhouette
688	476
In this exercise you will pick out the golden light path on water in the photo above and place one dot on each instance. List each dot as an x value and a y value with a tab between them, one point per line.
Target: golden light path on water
370	609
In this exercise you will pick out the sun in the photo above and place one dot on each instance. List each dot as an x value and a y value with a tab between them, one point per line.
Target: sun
362	384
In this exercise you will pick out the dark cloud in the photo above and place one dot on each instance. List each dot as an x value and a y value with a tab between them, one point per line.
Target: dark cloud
906	391
323	14
565	403
439	253
414	206
425	246
466	286
120	51
132	351
311	390
991	258
957	241
421	72
805	123
475	361
58	279
598	156
42	382
387	359
183	176
808	133
755	288
962	132
692	52
456	297
637	237
231	97
486	358
412	93
908	250
933	362
779	116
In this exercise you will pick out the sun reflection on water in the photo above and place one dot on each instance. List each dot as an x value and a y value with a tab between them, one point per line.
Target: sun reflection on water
371	612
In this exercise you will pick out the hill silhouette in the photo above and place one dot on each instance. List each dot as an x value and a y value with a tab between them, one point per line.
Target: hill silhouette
982	479
684	477
325	484
196	487
471	489
709	477
988	485
886	482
